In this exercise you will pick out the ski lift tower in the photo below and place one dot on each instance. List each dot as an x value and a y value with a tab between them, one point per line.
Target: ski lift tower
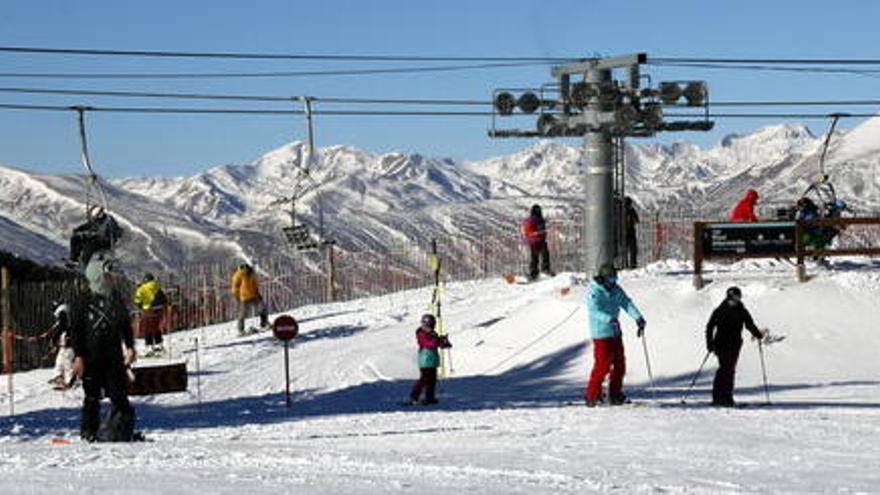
586	100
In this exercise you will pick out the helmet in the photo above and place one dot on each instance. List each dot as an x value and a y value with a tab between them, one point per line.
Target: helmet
429	321
96	211
607	270
734	293
60	309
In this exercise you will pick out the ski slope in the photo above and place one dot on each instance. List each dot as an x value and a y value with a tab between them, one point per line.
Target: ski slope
504	424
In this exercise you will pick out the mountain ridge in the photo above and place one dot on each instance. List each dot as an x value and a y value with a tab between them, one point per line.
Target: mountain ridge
371	200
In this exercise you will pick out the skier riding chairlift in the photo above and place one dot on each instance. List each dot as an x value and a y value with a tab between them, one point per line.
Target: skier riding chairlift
825	205
100	232
828	206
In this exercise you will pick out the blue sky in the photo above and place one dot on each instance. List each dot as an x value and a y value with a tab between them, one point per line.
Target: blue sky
124	145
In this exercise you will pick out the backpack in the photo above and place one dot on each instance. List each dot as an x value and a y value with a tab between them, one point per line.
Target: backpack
160	299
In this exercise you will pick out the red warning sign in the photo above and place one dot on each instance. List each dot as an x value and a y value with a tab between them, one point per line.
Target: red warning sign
285	327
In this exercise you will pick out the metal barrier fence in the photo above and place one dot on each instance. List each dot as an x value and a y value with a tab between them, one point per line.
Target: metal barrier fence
200	295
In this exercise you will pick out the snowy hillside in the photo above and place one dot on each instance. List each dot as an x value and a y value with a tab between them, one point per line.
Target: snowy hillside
503	425
371	201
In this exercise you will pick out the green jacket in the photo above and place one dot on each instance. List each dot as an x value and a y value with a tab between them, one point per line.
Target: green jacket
429	358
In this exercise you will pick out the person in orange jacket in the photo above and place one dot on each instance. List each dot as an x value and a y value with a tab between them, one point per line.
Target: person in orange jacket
744	211
246	291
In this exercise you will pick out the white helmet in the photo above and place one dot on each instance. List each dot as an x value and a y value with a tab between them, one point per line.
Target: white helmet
61	309
96	211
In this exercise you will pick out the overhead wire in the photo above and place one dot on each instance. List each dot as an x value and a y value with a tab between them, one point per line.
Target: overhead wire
229	75
809	70
245	111
772	115
792	61
395	101
279	56
238	97
259	111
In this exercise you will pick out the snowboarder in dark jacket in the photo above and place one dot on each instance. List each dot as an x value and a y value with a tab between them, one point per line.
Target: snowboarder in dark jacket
100	325
99	233
724	338
429	360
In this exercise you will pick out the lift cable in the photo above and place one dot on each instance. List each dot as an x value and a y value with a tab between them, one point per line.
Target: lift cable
203	96
772	68
394	101
280	56
253	111
790	61
227	75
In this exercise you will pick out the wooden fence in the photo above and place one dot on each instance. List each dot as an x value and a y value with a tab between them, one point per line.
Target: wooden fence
199	295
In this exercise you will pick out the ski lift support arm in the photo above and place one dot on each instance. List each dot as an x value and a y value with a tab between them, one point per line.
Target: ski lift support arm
84	157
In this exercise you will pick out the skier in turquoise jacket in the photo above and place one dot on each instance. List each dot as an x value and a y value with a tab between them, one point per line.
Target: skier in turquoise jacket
605	299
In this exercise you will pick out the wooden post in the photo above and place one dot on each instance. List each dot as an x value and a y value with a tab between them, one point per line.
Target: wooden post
658	237
8	338
698	255
329	292
801	270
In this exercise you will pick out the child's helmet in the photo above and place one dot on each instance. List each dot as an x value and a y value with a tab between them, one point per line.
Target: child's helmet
429	321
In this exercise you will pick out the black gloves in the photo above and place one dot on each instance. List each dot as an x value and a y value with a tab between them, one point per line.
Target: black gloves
641	324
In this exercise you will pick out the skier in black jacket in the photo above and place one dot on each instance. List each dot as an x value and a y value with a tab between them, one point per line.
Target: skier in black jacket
724	338
100	325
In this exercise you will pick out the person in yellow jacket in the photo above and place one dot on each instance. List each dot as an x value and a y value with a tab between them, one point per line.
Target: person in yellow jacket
246	291
150	300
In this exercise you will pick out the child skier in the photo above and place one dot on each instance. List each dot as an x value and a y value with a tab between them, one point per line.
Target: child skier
429	360
728	318
64	376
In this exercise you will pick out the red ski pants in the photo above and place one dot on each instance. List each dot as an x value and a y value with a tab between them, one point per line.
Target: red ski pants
428	382
607	357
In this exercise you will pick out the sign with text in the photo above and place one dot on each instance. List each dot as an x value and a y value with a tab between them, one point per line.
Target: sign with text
748	238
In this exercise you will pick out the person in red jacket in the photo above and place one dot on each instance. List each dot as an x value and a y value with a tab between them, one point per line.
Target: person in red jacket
744	211
534	230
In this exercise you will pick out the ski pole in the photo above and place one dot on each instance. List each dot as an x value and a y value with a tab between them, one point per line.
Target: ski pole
764	370
198	375
648	365
696	375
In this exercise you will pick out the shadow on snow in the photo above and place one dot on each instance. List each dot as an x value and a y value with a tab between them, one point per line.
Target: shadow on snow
533	385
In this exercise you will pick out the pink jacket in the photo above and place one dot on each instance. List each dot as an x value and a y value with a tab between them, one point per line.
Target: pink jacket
427	340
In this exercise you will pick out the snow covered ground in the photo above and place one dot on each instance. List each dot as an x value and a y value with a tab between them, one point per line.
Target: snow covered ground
503	425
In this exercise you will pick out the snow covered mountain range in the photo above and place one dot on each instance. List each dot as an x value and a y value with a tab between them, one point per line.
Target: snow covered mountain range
374	200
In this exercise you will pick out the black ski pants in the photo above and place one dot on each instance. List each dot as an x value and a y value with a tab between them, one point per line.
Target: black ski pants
632	249
103	378
722	387
538	252
428	382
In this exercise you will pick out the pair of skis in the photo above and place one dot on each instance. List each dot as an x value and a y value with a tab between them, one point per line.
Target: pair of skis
435	307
